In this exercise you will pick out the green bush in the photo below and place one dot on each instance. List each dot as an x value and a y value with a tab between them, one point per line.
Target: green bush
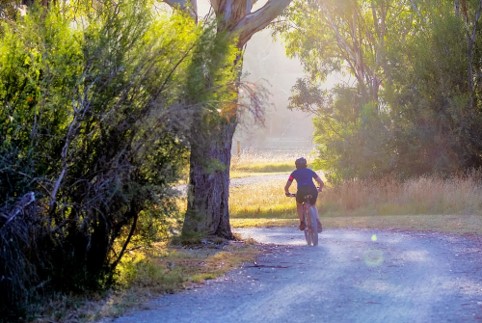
93	124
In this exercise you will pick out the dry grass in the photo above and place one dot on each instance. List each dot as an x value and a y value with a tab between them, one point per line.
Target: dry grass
265	199
460	195
251	158
144	274
427	203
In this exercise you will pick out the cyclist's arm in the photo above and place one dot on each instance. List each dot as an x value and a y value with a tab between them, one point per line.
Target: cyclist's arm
287	186
319	181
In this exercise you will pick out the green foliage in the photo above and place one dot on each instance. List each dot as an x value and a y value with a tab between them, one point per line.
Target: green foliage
37	76
434	121
93	121
408	105
213	77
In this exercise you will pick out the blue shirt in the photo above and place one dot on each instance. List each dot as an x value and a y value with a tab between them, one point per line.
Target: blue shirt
303	177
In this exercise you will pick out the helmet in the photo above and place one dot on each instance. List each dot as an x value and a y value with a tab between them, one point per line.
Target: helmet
300	162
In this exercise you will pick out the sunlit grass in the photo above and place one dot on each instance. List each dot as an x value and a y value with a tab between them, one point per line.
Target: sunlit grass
170	268
266	167
265	199
426	203
252	164
459	195
262	222
144	273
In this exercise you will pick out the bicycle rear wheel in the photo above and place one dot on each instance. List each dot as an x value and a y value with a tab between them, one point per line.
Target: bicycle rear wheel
314	226
307	231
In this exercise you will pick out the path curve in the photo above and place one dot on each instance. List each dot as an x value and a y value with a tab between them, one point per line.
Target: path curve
352	276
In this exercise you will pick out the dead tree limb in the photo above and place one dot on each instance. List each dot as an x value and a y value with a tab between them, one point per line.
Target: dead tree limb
25	201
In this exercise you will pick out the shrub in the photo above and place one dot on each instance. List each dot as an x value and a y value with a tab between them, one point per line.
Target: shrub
92	123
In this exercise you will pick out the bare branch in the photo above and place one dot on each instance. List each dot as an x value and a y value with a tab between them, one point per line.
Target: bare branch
190	6
25	201
258	20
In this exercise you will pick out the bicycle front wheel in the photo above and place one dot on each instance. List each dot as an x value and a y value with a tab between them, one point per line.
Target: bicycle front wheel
308	236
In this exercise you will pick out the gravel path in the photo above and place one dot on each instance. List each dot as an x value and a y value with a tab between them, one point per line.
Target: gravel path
352	276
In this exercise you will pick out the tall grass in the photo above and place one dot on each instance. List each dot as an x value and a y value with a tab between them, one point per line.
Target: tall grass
264	199
428	203
425	195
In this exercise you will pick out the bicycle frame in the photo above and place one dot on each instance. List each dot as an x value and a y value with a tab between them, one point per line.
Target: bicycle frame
310	216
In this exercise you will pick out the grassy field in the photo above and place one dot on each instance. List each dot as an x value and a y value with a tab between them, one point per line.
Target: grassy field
427	203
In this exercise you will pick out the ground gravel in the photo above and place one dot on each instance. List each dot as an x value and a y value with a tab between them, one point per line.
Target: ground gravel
352	276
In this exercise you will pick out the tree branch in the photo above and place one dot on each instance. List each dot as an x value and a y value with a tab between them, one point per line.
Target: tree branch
25	201
258	20
189	6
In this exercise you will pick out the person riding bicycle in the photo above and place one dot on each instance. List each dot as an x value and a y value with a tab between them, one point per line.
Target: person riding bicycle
304	177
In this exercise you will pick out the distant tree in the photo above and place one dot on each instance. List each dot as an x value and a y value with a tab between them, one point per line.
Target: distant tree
436	108
350	38
408	99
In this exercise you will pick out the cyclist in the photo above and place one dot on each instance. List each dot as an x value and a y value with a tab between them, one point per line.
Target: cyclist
304	179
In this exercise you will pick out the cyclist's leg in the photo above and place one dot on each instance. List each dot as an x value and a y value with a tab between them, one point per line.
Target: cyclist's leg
300	195
300	210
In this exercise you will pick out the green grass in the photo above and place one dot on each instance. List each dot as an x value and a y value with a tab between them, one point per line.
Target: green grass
265	199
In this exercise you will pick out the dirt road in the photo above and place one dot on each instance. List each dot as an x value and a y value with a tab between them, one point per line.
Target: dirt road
352	276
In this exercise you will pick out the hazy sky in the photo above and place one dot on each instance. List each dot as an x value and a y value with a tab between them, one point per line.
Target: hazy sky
265	62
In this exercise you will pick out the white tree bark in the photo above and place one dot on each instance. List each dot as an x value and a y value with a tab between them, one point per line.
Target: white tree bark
253	22
236	16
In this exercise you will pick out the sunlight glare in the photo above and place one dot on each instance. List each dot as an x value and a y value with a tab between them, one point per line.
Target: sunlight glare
373	257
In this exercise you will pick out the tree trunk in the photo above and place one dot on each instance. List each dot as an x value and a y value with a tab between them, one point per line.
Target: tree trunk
208	193
207	210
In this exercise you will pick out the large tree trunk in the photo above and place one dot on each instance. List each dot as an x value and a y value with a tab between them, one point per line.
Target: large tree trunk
207	211
208	193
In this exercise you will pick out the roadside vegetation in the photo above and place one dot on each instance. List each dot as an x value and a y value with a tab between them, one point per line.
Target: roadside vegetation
144	273
424	203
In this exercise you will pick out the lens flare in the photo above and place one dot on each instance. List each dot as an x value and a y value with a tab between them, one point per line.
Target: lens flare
373	257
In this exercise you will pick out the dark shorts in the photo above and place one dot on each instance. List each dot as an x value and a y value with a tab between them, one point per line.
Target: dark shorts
304	191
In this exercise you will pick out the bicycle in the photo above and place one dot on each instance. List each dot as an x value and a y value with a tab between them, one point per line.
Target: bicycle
310	216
